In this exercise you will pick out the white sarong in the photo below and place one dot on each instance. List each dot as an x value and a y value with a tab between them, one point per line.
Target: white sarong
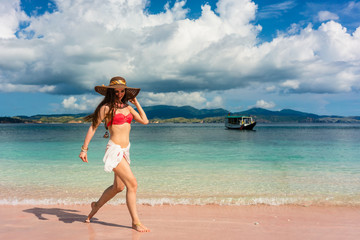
114	154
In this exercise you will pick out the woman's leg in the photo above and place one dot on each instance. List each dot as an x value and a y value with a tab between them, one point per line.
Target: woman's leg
108	194
124	172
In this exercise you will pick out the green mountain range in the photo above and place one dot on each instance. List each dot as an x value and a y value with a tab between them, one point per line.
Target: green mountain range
187	114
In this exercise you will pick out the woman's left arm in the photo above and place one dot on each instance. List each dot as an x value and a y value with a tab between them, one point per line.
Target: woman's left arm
141	116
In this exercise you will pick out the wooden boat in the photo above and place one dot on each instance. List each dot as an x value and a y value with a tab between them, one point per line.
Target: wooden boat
239	122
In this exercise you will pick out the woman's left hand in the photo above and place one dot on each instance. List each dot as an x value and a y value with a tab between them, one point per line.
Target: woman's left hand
134	101
141	116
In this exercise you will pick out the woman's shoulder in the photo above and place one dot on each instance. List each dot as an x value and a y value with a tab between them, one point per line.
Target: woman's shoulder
105	108
131	109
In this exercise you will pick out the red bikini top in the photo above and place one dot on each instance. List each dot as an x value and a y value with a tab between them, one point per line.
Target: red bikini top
120	119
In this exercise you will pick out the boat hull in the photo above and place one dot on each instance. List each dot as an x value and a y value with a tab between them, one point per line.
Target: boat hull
241	126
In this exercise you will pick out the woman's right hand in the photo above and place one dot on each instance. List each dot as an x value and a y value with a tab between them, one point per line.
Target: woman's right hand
83	156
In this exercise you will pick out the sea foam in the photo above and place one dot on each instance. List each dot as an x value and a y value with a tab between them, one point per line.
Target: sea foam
186	201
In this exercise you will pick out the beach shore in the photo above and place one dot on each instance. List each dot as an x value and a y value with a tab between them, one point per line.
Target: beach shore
181	222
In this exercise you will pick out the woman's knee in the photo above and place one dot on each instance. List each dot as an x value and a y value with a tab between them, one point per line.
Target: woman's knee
118	188
132	185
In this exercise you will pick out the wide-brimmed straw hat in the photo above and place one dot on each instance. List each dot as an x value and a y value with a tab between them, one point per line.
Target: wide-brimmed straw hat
118	82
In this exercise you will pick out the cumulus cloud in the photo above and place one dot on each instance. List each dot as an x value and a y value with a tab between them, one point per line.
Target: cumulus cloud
293	84
10	17
263	104
82	104
326	15
180	98
169	56
216	102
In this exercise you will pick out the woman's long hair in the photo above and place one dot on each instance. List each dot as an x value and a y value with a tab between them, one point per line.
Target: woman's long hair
111	100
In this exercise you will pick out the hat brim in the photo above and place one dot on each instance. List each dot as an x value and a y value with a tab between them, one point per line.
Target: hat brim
130	92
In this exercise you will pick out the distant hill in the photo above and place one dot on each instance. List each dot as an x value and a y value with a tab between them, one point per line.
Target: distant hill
40	116
10	120
285	115
288	115
165	113
284	112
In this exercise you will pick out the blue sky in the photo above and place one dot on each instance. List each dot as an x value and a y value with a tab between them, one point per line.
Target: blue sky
234	54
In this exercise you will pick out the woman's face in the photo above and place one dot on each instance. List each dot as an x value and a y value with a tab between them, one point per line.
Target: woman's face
120	93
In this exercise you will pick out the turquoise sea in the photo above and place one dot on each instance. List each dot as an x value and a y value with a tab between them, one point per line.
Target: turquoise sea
306	164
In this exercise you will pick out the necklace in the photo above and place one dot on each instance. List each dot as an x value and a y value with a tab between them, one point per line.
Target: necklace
120	105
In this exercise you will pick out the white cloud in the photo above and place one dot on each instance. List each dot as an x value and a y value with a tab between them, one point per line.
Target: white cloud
88	103
173	98
270	89
276	10
326	15
10	16
217	102
293	84
263	104
294	28
85	43
82	104
195	99
70	103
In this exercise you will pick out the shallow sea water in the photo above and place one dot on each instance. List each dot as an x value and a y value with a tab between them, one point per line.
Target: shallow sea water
307	164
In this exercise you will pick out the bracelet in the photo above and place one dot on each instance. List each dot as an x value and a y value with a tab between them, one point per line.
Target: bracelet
84	149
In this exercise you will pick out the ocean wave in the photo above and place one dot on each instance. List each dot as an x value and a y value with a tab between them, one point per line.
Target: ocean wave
190	201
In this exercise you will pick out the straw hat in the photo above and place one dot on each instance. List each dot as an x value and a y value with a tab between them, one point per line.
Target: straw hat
118	82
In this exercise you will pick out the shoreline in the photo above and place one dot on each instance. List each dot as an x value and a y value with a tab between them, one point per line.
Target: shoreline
181	222
158	202
33	202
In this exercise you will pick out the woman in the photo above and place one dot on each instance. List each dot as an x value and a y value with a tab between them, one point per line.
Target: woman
118	116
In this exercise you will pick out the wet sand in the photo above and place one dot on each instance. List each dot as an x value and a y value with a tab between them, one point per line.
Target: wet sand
181	222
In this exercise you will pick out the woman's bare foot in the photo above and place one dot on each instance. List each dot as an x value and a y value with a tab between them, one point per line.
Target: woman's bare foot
140	228
94	210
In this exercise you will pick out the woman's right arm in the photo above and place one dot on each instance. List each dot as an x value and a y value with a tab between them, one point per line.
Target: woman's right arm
83	154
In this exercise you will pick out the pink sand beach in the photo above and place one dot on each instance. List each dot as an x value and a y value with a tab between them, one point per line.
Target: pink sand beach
181	222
